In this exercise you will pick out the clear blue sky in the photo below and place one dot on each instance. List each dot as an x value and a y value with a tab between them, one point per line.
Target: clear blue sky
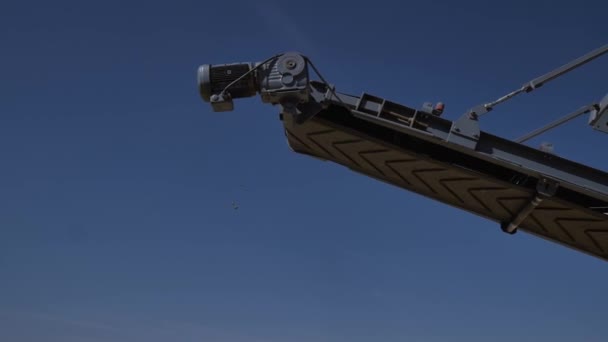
117	181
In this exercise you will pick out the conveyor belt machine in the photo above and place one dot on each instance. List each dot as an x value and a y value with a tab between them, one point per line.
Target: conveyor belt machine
454	162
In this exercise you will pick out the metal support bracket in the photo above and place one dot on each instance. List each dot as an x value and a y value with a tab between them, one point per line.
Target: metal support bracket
544	188
465	131
304	111
599	118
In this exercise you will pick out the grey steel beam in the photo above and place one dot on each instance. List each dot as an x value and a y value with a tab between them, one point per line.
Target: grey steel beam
485	146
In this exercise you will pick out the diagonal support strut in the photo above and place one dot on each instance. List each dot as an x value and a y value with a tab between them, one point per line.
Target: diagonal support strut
545	188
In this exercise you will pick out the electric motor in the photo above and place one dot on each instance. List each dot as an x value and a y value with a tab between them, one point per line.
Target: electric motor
213	79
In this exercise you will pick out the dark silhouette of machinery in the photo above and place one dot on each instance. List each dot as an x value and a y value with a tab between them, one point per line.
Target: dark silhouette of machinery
454	162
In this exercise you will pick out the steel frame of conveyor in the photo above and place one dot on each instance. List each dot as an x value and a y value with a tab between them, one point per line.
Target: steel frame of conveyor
284	80
572	181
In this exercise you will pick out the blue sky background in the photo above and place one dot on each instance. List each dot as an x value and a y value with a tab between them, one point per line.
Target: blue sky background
117	181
